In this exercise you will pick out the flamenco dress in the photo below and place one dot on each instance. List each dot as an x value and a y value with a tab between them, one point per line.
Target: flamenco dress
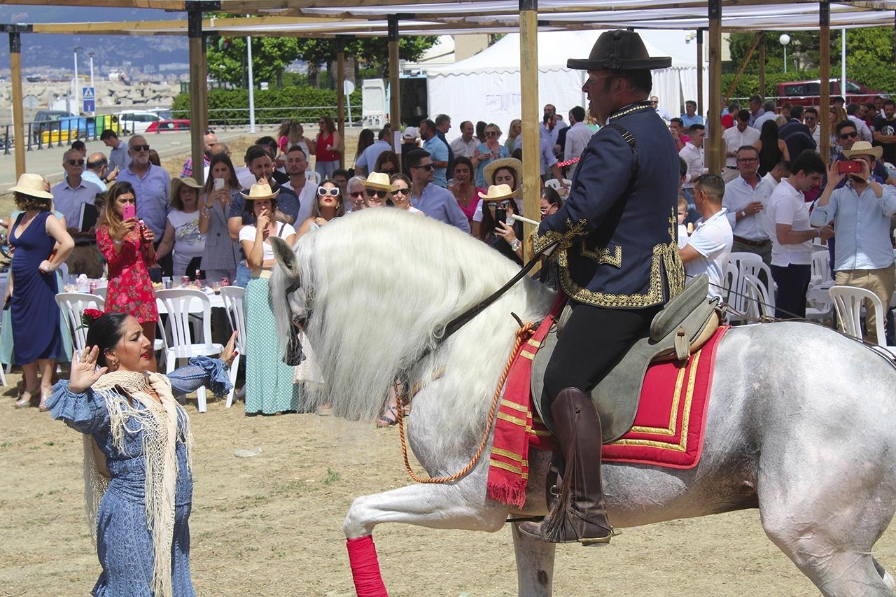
124	540
34	313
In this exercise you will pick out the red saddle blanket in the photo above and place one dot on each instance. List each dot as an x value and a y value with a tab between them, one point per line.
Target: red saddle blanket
668	428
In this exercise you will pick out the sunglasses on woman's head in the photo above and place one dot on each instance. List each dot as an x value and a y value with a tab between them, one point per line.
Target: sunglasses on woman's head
323	191
376	193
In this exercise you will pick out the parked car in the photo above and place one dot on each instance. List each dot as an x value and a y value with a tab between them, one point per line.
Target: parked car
169	126
57	126
807	93
136	122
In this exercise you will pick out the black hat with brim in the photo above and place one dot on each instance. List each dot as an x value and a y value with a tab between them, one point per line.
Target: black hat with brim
619	50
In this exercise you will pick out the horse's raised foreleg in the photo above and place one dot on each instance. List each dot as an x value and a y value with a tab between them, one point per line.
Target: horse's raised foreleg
534	565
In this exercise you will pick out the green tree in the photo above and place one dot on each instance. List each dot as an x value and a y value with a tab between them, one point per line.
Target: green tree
270	57
369	52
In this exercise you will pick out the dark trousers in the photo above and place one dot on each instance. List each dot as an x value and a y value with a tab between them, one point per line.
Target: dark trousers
593	341
793	282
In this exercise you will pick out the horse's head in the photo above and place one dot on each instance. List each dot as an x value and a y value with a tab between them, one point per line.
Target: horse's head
291	301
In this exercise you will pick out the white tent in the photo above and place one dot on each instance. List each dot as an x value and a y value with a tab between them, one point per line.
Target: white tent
487	85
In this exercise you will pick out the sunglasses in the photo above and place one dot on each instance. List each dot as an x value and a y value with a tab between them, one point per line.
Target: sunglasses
491	133
140	147
424	167
402	191
357	194
493	205
210	131
376	193
323	192
852	135
75	162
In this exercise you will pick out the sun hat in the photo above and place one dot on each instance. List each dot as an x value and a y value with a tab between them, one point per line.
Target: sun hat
261	190
31	185
190	182
619	50
378	181
497	193
410	133
488	173
864	148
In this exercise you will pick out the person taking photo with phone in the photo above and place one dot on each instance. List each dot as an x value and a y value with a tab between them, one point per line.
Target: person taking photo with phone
127	246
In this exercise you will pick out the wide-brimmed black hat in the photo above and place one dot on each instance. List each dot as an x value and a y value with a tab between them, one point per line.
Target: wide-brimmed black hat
619	50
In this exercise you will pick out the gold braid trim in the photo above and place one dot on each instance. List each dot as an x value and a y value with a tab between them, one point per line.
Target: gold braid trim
539	243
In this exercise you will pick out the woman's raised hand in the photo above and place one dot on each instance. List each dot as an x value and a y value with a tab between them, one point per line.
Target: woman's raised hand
83	370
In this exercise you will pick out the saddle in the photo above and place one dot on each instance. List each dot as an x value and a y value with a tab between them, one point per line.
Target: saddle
684	325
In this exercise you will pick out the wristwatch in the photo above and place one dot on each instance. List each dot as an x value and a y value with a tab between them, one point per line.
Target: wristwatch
743	213
515	244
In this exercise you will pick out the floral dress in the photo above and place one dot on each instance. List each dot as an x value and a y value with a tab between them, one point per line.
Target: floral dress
130	289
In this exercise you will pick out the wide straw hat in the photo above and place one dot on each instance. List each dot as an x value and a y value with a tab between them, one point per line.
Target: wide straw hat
497	193
864	148
190	182
378	181
31	185
261	190
488	173
619	50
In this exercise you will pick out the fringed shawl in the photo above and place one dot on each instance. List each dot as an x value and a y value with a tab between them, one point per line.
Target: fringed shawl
121	390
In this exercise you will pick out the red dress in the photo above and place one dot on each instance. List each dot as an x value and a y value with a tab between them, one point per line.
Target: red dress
130	289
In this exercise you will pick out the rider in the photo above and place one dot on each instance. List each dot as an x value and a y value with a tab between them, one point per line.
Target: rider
619	264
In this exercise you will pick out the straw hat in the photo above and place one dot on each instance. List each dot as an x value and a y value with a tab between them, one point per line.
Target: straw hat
31	185
378	181
190	182
864	148
619	50
488	173
497	193
261	190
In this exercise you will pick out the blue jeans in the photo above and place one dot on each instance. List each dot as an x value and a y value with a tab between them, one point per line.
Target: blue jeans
243	274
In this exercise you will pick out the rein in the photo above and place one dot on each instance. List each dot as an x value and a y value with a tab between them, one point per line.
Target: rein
522	334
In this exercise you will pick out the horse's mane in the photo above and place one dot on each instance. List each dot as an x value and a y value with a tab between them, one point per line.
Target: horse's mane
382	284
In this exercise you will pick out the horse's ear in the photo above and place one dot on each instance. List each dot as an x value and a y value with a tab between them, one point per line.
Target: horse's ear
285	256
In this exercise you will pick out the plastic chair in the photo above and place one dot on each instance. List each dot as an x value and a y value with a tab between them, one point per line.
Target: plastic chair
821	268
101	292
178	332
746	263
313	176
73	305
233	302
848	301
759	302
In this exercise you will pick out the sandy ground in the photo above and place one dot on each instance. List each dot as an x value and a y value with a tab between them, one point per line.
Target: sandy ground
271	525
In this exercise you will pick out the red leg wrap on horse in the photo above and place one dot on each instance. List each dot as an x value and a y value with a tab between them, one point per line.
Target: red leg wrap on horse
365	567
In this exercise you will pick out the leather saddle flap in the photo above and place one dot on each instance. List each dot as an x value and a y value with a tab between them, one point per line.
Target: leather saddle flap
617	396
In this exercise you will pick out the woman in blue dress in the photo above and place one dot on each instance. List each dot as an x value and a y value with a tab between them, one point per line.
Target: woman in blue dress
139	486
37	336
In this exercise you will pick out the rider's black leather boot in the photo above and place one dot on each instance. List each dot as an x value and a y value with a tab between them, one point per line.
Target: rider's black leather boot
579	514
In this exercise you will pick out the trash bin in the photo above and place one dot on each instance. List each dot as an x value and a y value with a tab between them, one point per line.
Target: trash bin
91	127
100	124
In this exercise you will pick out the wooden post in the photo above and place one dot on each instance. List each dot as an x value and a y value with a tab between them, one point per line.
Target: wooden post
340	94
198	91
18	116
394	84
713	154
529	106
762	63
824	58
700	71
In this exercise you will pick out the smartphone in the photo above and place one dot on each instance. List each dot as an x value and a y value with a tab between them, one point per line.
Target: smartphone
849	167
219	184
500	215
128	211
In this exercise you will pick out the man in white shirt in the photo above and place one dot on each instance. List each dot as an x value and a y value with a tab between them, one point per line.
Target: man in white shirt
692	154
296	166
745	200
577	137
466	144
861	211
792	235
709	246
734	138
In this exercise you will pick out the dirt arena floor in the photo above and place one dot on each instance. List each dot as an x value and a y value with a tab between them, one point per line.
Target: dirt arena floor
272	525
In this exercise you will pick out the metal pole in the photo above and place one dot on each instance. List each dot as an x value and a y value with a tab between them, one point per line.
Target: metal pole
529	107
92	54
713	153
843	64
251	86
77	109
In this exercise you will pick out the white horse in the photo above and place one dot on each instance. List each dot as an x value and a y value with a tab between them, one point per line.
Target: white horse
799	423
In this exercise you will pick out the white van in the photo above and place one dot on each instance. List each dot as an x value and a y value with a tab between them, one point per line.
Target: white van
136	123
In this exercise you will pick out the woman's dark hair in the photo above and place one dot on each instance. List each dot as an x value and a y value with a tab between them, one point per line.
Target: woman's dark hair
365	140
768	136
464	160
249	209
386	156
110	218
105	332
513	174
480	130
552	196
315	208
221	158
